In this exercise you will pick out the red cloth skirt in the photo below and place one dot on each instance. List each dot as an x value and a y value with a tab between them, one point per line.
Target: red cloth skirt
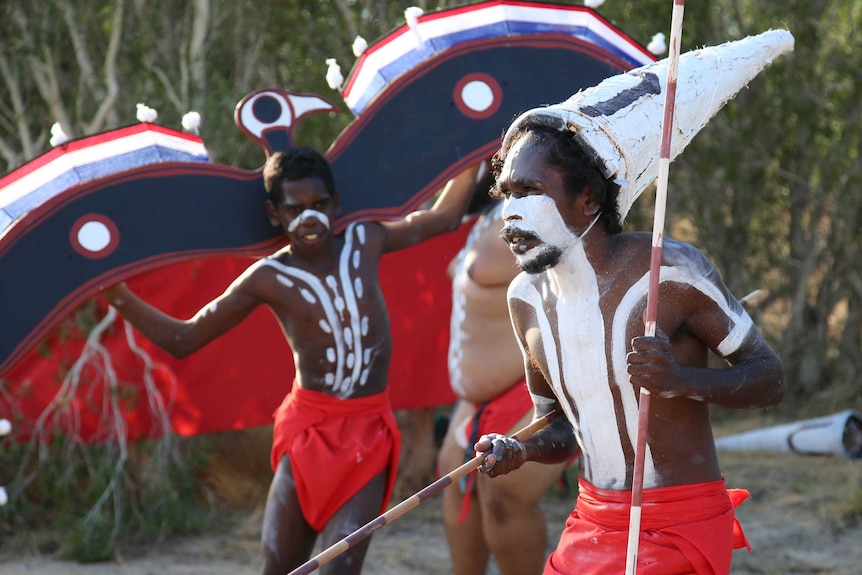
497	415
336	446
686	529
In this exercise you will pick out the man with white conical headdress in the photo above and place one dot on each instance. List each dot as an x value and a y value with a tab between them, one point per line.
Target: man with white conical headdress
569	174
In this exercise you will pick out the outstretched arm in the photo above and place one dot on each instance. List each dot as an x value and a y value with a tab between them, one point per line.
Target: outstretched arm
177	337
444	216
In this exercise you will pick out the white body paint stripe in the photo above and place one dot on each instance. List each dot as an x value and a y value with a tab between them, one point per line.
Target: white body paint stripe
352	307
459	300
328	309
348	353
584	377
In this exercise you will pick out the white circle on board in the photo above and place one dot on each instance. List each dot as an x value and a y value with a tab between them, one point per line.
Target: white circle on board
477	95
94	236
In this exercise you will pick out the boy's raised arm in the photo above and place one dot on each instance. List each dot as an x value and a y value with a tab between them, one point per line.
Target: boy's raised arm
444	216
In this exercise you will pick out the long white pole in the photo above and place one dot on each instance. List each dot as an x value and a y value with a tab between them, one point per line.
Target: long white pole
652	294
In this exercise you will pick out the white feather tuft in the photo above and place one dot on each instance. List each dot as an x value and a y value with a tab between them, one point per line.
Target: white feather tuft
191	122
593	3
333	74
359	46
146	114
657	45
4	498
58	138
411	14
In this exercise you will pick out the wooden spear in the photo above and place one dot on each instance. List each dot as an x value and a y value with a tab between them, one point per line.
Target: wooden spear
369	528
655	268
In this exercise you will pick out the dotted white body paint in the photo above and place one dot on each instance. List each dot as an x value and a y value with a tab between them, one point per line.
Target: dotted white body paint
306	215
339	297
209	309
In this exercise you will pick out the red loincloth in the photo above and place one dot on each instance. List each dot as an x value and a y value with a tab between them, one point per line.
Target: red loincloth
497	415
335	446
685	530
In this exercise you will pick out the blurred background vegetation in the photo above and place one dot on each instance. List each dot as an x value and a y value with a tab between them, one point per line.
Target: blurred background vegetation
770	190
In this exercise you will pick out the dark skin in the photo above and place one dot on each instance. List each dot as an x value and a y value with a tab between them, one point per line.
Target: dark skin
308	285
594	285
504	519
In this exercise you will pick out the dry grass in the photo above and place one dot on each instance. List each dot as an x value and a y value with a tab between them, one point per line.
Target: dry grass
804	517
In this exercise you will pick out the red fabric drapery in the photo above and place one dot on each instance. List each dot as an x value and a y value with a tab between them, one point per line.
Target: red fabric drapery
238	380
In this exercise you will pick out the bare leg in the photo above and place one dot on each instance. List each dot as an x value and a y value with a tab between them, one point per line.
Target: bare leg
514	526
359	510
286	539
418	451
467	546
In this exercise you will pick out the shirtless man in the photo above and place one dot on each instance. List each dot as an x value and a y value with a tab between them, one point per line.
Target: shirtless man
336	444
578	310
485	516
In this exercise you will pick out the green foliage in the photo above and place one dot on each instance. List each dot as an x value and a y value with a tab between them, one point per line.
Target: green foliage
99	495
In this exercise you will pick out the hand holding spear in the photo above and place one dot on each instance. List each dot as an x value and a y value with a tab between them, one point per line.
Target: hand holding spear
655	267
369	528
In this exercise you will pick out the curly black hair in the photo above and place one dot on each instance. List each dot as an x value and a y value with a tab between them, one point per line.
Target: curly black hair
296	164
578	166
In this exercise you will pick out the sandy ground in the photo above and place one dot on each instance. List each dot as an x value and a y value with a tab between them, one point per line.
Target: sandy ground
804	517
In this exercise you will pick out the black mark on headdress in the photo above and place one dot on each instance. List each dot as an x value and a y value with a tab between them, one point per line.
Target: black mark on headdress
649	84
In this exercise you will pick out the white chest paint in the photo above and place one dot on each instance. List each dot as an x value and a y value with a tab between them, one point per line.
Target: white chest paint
573	339
340	297
575	346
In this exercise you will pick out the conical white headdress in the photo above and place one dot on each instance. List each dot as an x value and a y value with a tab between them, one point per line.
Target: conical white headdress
619	120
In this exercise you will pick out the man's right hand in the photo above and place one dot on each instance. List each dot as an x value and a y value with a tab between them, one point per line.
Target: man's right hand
500	454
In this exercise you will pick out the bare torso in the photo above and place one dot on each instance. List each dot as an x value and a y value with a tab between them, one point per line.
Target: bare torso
583	357
484	357
334	317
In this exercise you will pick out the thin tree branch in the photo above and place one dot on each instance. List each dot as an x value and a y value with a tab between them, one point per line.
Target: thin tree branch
106	108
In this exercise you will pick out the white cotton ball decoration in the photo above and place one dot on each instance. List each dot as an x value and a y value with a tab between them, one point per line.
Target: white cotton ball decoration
333	74
657	45
5	427
58	138
146	114
191	122
4	498
593	3
359	46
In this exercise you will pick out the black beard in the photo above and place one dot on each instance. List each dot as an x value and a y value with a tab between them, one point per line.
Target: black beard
548	257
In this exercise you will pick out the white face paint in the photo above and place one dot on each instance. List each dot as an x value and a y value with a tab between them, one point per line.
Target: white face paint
306	215
538	236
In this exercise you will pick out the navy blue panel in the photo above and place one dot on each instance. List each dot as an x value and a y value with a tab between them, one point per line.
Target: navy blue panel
162	216
399	147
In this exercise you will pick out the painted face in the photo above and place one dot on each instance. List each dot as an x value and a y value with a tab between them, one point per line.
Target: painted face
305	212
535	209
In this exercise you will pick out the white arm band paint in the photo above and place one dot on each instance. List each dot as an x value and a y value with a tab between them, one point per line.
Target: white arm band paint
742	324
